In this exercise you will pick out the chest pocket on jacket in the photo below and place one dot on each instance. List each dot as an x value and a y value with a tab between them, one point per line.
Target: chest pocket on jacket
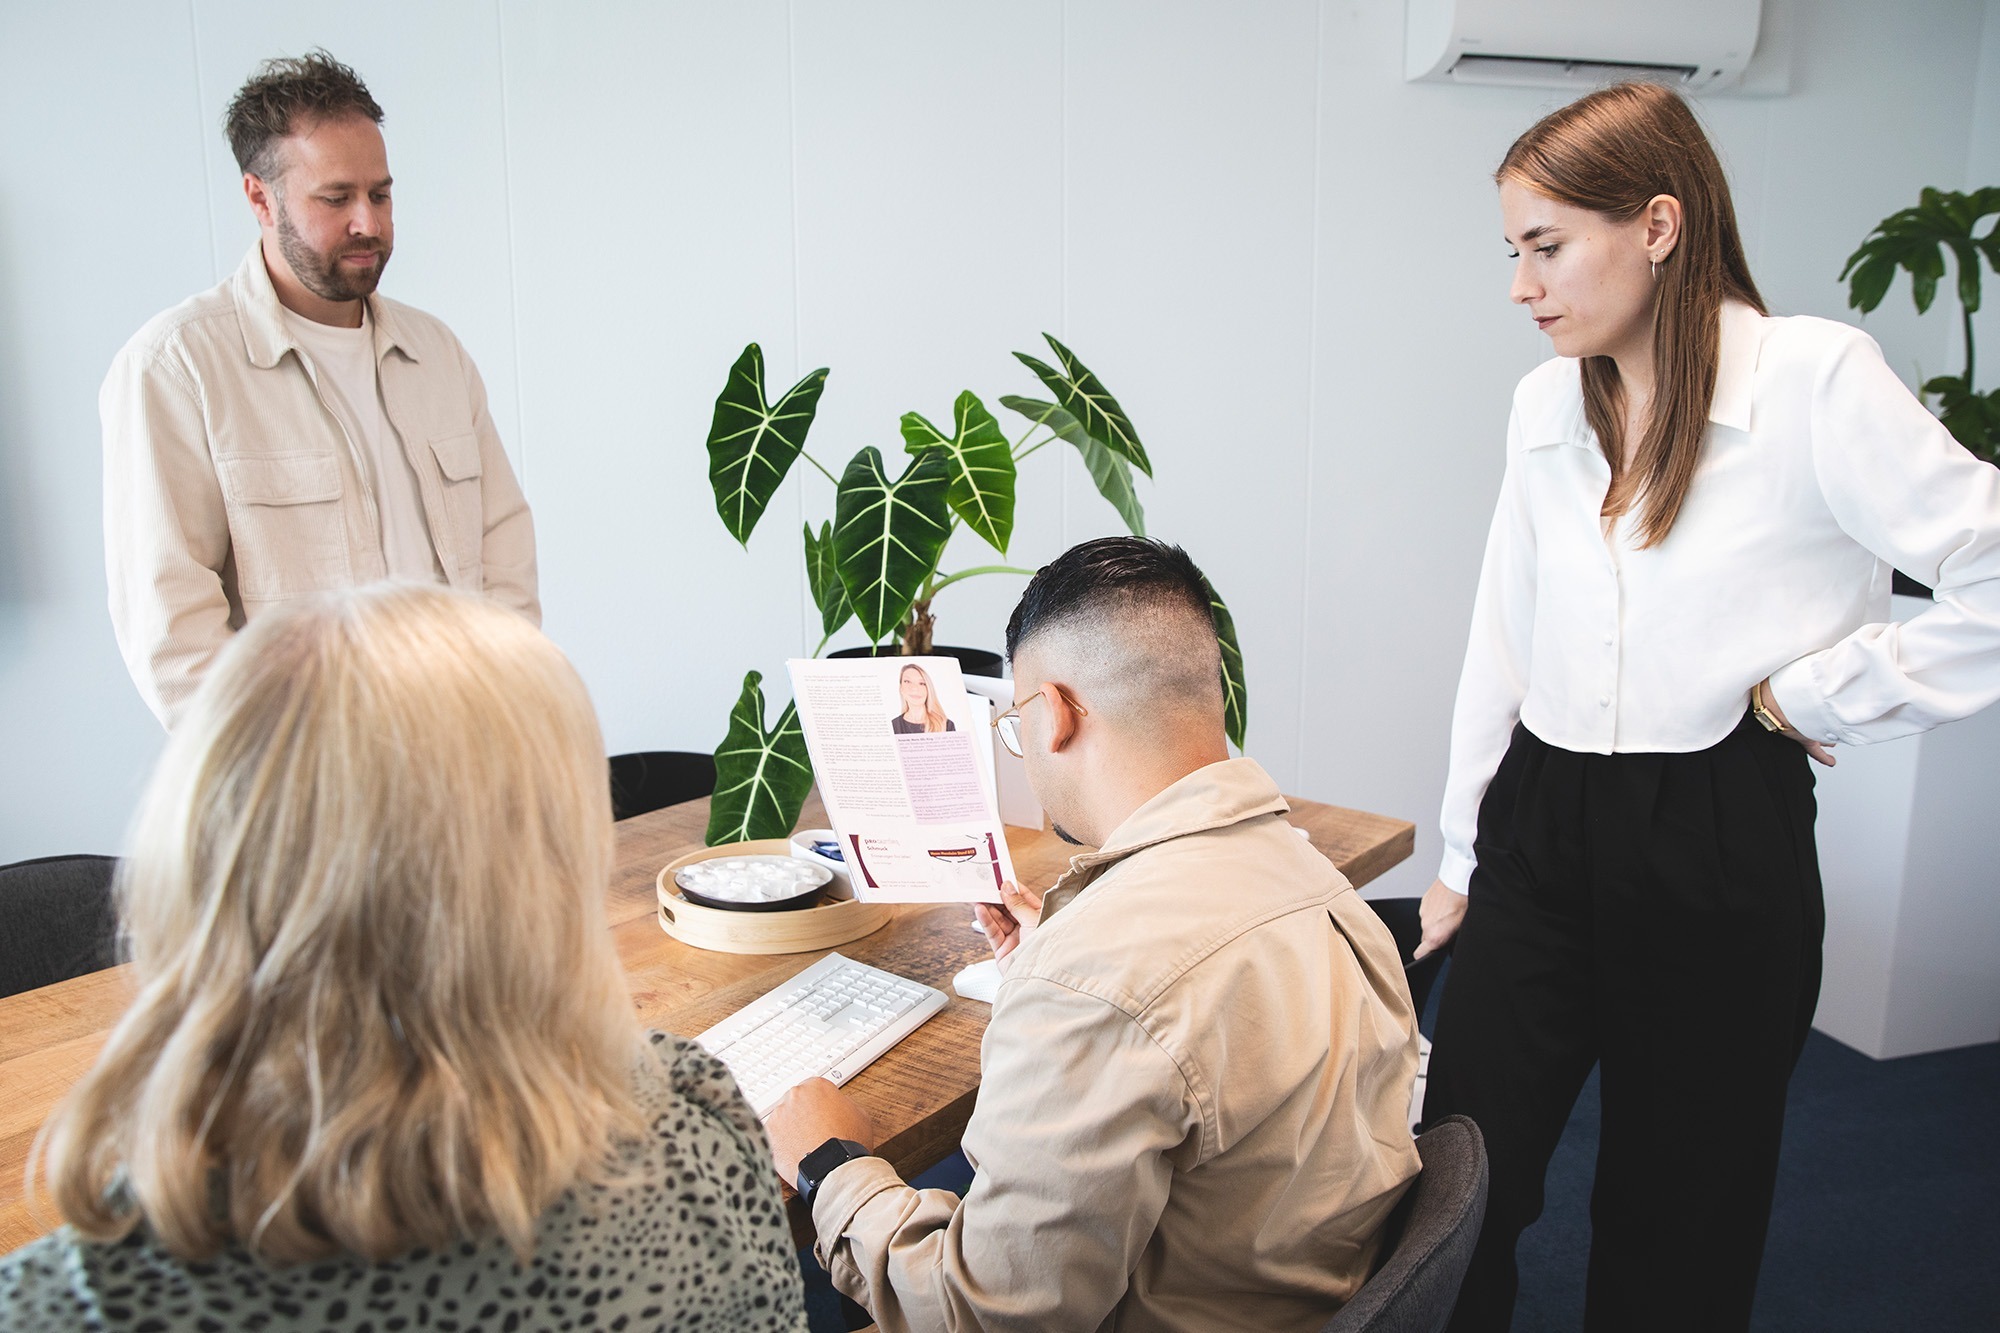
287	531
459	462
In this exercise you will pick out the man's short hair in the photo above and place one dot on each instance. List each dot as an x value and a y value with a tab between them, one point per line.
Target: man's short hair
1110	574
1128	621
286	96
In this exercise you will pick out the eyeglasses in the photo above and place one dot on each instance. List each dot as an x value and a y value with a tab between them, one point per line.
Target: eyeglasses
1008	724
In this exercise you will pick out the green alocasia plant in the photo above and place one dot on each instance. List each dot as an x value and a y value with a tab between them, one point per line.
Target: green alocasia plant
752	443
1917	241
878	559
761	777
888	535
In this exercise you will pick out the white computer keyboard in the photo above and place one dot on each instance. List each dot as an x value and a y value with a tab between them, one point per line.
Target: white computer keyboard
830	1021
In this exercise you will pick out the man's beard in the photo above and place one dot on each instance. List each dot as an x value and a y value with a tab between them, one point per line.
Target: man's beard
322	274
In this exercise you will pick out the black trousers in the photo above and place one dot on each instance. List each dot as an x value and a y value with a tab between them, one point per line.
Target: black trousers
1660	915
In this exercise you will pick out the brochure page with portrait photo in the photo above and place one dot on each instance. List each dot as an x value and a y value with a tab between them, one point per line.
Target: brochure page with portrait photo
904	759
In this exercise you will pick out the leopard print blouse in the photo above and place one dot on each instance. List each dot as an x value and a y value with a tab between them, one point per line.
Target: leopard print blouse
698	1241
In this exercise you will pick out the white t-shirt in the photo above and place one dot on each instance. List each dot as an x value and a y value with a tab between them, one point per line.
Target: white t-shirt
345	362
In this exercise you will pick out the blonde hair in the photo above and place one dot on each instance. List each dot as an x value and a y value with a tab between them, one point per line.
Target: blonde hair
934	718
1612	152
378	1005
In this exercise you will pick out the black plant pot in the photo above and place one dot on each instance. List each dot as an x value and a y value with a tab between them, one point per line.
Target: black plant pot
971	661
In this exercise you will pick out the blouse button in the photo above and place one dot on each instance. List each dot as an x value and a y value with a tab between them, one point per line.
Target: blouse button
1604	701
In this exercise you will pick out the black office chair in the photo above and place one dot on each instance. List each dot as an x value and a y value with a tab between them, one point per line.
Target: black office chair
1431	1234
60	922
1400	915
651	779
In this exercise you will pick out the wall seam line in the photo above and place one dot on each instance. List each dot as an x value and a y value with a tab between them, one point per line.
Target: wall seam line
207	160
1312	392
806	637
1062	243
513	268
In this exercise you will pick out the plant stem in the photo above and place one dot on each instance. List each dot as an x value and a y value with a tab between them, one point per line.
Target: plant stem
933	589
822	646
1038	444
1966	315
822	468
1025	434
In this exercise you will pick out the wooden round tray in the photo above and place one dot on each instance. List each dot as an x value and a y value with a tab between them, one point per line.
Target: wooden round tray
836	920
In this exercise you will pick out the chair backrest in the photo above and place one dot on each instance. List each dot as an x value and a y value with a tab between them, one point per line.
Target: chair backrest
1402	917
60	922
651	779
1430	1239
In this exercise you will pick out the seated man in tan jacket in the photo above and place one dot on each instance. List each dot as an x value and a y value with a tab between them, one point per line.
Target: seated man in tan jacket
1194	1087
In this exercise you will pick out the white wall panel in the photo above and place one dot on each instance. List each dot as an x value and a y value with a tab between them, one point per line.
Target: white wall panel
1189	171
1836	162
929	142
1982	168
651	175
103	222
1418	354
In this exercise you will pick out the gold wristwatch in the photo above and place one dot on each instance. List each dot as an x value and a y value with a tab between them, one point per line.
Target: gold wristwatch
1761	712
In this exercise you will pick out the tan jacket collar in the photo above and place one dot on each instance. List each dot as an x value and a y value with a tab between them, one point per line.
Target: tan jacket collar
1211	797
265	337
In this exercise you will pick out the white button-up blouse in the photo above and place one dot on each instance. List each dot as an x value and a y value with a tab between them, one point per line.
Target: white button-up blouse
1819	473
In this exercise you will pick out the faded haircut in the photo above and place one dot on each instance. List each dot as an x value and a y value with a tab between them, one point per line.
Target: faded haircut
1129	619
286	96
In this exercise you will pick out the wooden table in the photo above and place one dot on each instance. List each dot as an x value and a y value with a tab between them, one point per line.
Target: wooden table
920	1093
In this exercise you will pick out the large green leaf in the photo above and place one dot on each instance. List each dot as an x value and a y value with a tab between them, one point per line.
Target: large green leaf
1916	239
1086	399
1235	698
980	463
1112	473
888	535
752	443
823	574
761	777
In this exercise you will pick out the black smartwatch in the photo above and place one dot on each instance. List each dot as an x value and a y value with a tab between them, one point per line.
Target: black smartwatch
818	1164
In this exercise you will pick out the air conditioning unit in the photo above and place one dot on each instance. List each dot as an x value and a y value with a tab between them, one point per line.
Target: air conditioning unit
1693	45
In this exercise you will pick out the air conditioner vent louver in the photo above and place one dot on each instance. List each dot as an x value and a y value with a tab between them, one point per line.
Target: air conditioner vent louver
1540	72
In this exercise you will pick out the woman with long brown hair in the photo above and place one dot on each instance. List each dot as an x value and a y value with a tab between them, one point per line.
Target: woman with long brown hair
1684	596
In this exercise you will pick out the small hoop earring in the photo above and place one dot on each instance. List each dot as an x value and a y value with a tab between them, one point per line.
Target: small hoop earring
1656	270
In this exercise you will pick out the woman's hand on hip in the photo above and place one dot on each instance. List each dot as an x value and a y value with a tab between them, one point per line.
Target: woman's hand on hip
1442	910
1821	751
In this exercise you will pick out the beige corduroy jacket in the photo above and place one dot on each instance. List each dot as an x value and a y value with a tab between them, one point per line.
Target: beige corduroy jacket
230	487
1193	1103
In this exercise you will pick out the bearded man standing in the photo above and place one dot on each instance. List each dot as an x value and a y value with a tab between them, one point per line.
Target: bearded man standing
289	431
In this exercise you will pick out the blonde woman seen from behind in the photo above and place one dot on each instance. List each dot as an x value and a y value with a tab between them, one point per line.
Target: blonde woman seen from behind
380	1028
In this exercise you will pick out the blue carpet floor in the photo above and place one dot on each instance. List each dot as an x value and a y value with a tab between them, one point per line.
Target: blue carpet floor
1888	1208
